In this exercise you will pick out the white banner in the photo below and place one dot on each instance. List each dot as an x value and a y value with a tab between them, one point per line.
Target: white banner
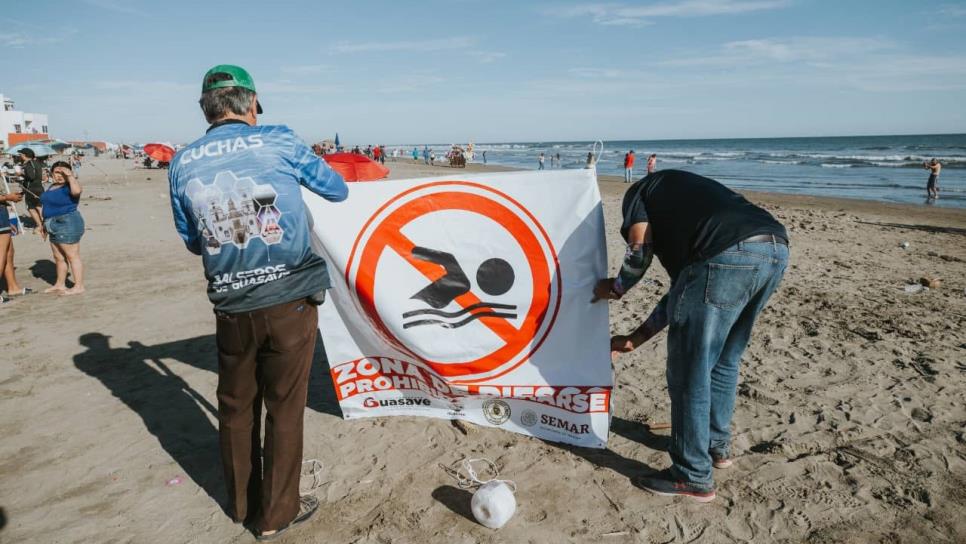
468	297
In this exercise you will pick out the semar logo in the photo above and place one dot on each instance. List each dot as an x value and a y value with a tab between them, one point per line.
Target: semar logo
557	423
528	418
373	403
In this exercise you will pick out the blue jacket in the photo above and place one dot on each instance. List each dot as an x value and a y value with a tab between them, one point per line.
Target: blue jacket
237	202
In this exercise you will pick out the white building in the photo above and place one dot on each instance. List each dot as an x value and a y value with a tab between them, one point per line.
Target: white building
13	122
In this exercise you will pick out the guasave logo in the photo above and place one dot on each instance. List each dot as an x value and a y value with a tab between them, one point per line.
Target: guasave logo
496	411
370	402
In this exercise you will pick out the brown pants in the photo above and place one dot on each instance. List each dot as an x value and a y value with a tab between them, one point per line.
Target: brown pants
264	355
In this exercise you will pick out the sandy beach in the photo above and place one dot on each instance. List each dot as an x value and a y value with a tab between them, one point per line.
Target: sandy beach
850	424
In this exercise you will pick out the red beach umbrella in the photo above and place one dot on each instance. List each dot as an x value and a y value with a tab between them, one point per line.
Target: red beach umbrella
355	167
159	152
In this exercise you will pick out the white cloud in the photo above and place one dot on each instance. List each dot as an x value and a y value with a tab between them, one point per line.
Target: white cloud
631	15
285	86
595	73
14	39
18	40
409	84
119	6
900	73
783	50
305	69
442	44
865	64
145	85
487	57
952	10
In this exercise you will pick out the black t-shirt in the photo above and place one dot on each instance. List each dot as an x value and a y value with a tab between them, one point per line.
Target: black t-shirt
693	217
33	174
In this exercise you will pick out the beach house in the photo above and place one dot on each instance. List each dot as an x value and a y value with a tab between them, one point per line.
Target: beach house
18	127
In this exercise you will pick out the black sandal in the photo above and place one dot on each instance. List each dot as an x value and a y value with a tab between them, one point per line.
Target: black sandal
308	505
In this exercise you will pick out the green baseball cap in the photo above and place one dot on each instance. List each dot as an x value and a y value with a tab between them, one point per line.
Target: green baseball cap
239	78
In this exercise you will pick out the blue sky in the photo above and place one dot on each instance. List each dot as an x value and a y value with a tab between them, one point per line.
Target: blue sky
399	72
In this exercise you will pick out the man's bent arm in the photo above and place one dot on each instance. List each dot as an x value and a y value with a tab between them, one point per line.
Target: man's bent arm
637	259
655	323
315	174
186	228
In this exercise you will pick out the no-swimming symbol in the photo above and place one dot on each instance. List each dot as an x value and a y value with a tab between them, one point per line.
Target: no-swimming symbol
494	277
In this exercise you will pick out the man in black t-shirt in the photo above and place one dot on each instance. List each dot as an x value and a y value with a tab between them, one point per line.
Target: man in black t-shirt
33	184
725	257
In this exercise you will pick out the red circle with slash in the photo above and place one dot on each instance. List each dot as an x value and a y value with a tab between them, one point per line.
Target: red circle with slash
469	197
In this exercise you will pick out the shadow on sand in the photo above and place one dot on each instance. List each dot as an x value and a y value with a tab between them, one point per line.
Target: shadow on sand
179	416
456	499
926	228
46	270
182	419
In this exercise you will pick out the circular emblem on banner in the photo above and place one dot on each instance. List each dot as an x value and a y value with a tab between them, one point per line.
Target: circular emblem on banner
528	418
459	276
496	411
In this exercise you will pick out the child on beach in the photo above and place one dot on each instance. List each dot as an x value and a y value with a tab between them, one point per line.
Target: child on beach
63	223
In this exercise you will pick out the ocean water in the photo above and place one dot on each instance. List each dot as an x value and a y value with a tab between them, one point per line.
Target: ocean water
883	168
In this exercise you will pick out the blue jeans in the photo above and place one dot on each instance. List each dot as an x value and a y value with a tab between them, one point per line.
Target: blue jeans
711	310
628	174
65	229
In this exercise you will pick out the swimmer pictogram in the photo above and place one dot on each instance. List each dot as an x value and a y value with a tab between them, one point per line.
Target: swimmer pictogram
495	277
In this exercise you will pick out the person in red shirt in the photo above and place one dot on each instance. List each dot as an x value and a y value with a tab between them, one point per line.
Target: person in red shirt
651	163
375	153
628	166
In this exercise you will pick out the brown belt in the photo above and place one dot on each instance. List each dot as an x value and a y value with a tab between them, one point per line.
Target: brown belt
770	238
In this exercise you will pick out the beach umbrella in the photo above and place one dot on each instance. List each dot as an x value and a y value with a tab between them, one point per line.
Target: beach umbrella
39	149
159	152
337	144
355	167
59	145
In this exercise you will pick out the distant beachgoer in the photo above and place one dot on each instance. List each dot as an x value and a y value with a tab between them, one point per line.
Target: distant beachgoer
432	158
590	160
376	152
540	161
558	159
651	163
725	258
265	283
64	225
76	164
6	242
33	185
484	157
426	154
415	154
628	166
932	185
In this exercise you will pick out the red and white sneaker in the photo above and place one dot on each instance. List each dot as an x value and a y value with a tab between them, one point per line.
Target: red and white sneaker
666	484
721	462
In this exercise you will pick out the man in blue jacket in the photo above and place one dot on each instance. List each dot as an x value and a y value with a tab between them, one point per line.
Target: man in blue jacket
237	202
